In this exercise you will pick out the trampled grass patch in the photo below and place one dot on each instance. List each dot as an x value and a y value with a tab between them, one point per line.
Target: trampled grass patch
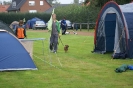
80	68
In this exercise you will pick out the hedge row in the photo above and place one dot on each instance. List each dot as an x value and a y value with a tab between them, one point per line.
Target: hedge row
77	13
74	13
10	17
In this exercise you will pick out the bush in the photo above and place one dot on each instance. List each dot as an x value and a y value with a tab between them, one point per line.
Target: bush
77	13
8	18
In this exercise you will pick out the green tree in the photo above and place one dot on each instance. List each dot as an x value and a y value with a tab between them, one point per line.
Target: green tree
86	1
100	3
123	1
76	1
7	2
50	1
77	13
56	2
120	2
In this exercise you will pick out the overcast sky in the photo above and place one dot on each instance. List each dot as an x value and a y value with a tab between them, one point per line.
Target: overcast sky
67	1
61	1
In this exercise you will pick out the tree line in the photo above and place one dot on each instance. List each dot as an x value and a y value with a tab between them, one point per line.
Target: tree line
100	3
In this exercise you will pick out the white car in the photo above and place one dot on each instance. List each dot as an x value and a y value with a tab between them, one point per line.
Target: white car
69	24
39	25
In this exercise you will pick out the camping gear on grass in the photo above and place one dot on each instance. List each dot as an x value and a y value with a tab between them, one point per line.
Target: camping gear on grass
130	67
122	68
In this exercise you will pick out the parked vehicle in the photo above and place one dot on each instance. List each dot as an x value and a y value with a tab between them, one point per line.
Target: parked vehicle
47	24
39	25
69	24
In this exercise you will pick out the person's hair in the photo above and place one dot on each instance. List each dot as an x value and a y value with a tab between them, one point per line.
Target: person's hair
21	22
64	18
53	15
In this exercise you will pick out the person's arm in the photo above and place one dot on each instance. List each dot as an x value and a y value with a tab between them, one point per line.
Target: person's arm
16	31
62	22
58	26
25	32
65	23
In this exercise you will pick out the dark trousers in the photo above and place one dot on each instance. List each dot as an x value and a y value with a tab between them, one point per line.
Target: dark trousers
63	29
54	42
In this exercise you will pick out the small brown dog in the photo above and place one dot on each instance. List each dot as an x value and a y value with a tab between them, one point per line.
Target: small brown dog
66	48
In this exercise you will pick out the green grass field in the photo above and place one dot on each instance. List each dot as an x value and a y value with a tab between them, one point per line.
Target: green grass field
80	68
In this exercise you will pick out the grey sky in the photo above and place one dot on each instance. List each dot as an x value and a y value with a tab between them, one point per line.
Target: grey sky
61	1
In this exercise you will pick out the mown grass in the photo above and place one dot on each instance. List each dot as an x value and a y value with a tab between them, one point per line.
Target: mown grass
80	68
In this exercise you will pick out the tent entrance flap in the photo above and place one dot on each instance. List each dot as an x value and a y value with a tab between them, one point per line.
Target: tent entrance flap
110	26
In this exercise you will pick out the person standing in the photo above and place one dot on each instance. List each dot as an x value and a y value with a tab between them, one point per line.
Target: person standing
63	26
20	31
55	34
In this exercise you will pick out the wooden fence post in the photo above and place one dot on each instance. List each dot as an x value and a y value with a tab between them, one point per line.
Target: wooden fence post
88	26
73	26
80	26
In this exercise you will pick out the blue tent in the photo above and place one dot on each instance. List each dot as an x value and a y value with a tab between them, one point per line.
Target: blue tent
13	56
114	29
32	21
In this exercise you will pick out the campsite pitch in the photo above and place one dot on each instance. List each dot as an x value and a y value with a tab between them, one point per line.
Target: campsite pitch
80	68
